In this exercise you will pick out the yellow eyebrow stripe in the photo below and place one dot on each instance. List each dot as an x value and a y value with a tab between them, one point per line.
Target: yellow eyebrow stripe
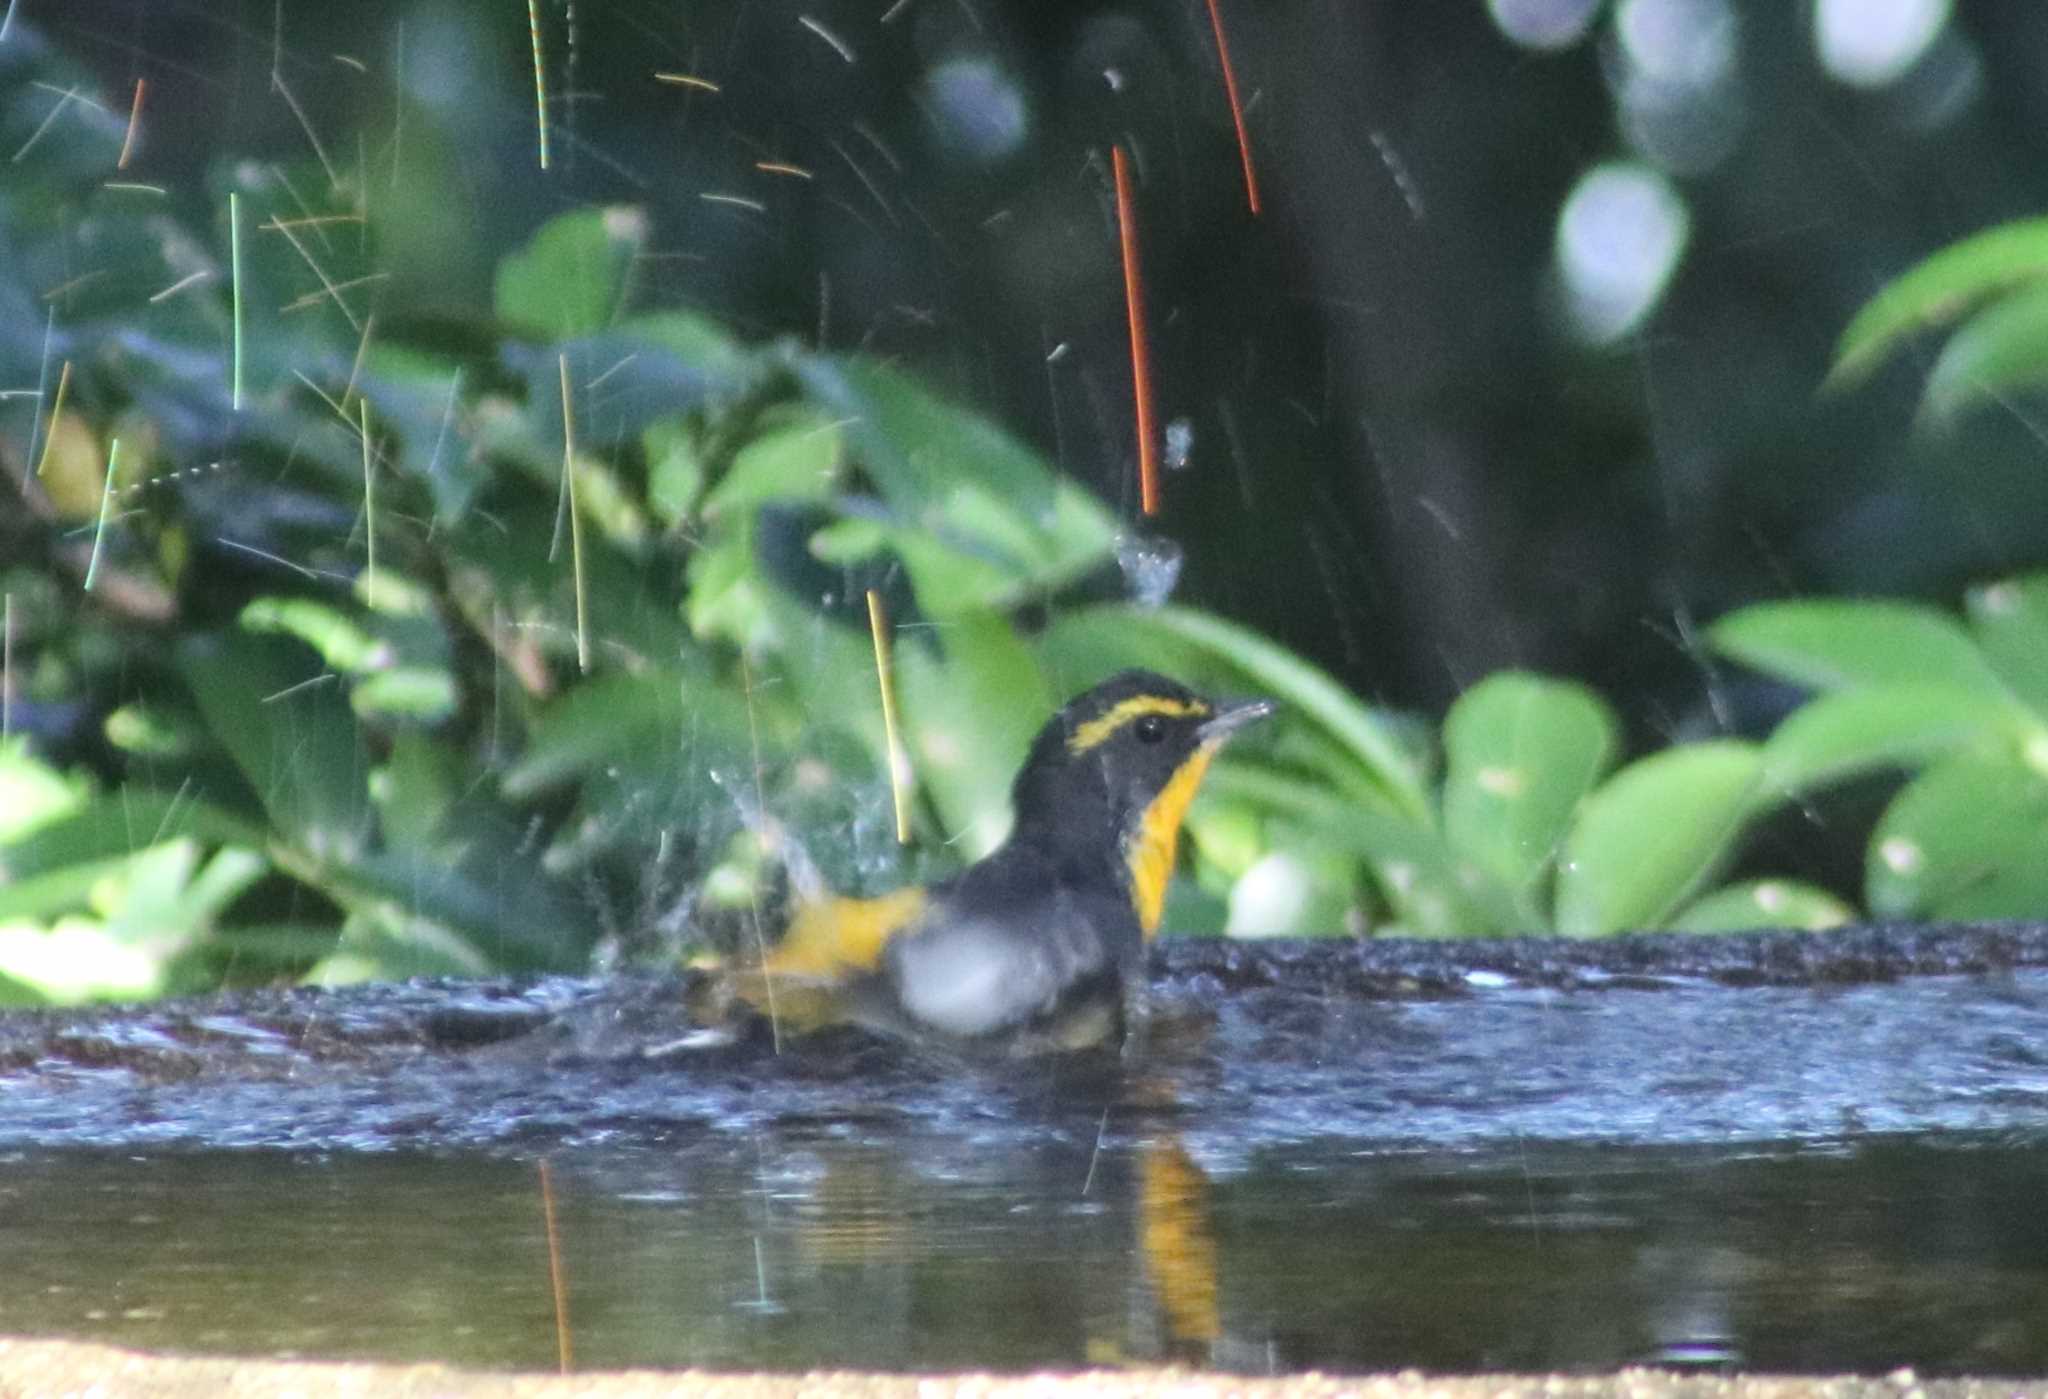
1097	730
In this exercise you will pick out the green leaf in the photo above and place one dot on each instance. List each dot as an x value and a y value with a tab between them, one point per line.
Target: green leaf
1851	733
1652	834
111	828
1086	645
2010	622
1431	891
287	725
333	633
422	694
2001	350
1521	753
971	717
675	470
1765	903
1963	841
1830	644
571	278
1939	289
32	793
700	344
797	457
952	478
663	725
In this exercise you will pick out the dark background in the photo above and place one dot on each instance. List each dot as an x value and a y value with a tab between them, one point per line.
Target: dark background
1403	462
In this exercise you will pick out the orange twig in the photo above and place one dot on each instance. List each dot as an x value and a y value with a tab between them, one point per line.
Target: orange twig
565	1352
1141	359
1244	145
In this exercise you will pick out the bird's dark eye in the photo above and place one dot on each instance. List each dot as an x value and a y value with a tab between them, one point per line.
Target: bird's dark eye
1150	728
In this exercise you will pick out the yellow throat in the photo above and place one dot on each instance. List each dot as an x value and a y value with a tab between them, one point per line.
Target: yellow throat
1148	854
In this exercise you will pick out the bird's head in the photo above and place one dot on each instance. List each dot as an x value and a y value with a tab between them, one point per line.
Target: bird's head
1118	766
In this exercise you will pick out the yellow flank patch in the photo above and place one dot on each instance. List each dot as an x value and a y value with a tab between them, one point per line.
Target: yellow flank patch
834	937
1093	733
1149	855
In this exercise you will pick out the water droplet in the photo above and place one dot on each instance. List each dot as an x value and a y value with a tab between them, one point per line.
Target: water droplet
1151	567
1180	443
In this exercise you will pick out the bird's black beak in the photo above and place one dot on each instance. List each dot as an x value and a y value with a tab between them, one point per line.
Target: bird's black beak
1229	718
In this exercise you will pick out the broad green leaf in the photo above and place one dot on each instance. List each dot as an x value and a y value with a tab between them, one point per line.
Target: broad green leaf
917	446
1086	645
958	480
1832	644
1851	733
2001	350
113	827
1765	903
495	902
675	470
32	793
971	716
1654	833
327	629
654	723
421	694
1521	752
798	457
77	960
1432	893
700	344
1939	289
286	723
571	278
1964	840
2010	622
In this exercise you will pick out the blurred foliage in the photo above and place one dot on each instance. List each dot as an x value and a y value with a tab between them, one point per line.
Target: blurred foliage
609	681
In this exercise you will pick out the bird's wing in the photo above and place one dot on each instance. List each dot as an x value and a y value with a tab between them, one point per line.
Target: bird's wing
972	975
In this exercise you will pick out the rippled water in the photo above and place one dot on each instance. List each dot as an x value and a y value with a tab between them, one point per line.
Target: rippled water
1733	1153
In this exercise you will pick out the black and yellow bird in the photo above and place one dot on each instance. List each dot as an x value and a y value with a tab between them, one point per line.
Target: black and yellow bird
1041	944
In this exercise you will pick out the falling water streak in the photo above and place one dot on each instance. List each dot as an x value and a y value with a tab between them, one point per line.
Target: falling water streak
570	64
1244	144
753	891
447	421
1134	311
565	1351
355	370
690	80
397	104
899	759
278	85
56	408
7	668
62	102
235	293
540	84
839	45
7	20
189	279
369	494
134	125
327	283
1095	1155
35	426
575	518
1397	169
99	534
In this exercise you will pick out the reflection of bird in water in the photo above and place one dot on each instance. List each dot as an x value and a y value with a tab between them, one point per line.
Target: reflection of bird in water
1039	946
1178	1241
